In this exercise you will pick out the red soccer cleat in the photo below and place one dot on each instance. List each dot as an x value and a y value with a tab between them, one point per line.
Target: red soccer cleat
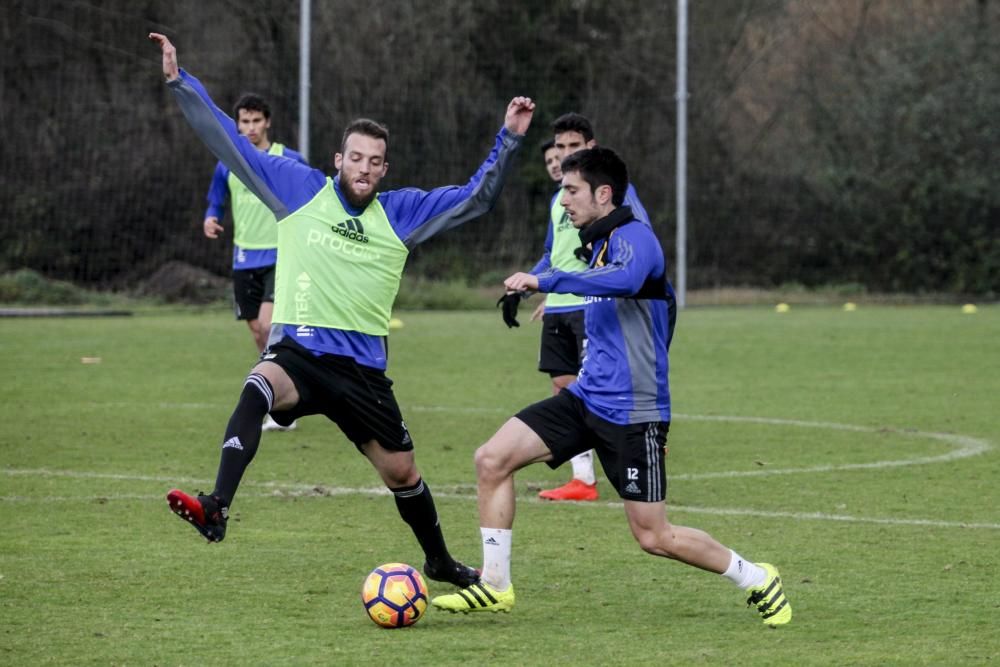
206	513
574	490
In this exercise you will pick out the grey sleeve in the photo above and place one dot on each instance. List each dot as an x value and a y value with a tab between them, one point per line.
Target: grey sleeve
203	116
485	188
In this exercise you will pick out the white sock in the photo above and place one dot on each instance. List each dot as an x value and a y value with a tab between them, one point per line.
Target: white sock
743	573
496	557
583	467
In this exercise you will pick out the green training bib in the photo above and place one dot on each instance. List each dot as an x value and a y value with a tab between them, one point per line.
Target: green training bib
336	270
253	223
565	239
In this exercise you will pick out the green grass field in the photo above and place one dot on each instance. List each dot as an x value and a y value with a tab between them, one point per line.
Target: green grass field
857	451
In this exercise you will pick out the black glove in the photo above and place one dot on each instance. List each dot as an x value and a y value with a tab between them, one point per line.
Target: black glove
510	302
583	253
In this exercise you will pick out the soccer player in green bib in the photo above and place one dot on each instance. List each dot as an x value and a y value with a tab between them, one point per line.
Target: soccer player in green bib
255	232
342	245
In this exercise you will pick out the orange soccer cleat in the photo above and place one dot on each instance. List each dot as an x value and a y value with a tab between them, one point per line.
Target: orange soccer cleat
574	490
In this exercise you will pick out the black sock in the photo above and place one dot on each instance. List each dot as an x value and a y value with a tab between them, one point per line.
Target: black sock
416	506
242	435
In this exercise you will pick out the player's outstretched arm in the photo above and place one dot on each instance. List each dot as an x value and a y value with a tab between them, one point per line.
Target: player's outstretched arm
420	215
283	185
519	114
170	69
637	257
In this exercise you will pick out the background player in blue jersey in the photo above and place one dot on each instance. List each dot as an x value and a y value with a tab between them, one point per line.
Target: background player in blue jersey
253	262
620	406
564	340
255	233
342	245
551	160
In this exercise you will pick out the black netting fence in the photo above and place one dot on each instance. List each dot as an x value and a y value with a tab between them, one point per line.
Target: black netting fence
848	142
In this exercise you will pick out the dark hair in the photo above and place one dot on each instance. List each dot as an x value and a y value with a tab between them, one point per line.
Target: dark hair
573	122
251	102
548	145
600	166
367	127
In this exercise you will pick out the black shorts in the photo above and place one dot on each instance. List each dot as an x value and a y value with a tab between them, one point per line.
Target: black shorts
252	287
356	398
564	342
632	455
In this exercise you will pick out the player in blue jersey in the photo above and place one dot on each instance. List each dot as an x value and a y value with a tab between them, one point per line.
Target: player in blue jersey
342	245
619	406
563	340
255	234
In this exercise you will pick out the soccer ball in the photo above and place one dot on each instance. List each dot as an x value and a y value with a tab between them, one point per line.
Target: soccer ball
394	595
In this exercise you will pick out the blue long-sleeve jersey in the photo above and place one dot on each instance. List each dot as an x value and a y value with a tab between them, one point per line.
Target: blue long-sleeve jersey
218	192
545	263
285	186
624	374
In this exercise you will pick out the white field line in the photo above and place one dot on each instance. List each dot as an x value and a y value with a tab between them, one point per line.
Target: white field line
281	490
964	446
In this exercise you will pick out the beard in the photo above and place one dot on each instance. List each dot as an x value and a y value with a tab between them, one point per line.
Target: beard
356	200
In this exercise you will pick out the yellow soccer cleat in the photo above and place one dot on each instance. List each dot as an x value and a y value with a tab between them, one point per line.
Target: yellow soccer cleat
480	596
770	599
